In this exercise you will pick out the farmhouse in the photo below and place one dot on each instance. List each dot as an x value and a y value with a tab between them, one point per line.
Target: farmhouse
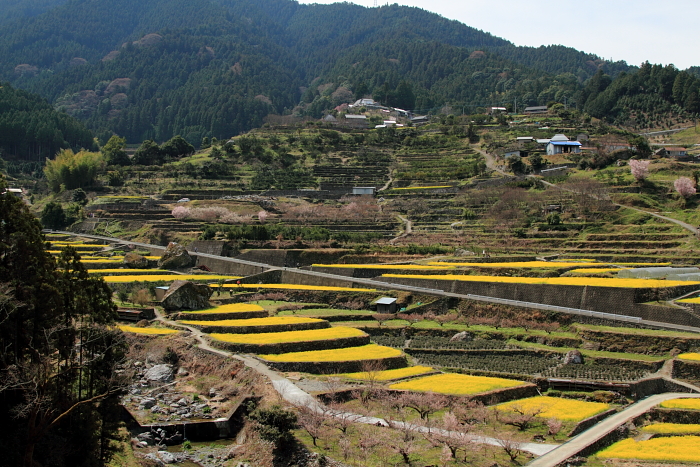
675	152
540	109
356	121
560	144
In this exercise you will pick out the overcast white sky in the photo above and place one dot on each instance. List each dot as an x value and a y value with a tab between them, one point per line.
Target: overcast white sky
663	31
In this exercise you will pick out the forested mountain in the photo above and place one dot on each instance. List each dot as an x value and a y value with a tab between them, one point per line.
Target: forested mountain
31	129
154	69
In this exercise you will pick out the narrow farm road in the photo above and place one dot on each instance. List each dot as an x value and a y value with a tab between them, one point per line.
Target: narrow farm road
407	229
490	161
576	444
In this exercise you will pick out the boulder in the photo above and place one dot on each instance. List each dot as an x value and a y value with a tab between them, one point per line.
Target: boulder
184	295
463	336
160	373
166	457
135	261
573	357
175	257
147	403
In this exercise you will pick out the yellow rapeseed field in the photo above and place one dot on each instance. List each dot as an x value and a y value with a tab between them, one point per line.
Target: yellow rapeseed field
520	264
274	321
290	336
230	308
557	407
386	266
388	375
690	300
690	356
452	383
667	449
596	270
147	331
365	352
580	281
672	428
683	403
295	287
166	277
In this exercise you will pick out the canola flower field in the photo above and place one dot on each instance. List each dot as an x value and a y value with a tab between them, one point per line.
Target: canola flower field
294	287
675	448
423	187
388	375
690	356
229	308
289	336
689	300
456	384
165	277
578	281
569	410
274	321
417	267
127	272
687	403
672	428
596	270
147	331
519	264
365	352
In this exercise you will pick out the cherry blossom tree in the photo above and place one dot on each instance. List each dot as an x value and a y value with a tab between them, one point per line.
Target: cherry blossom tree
685	187
639	169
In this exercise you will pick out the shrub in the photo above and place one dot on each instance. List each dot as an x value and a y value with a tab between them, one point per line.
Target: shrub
274	424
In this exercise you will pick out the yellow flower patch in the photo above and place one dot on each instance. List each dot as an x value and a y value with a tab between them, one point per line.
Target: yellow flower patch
147	331
690	356
165	277
578	281
230	308
520	264
673	449
596	270
125	272
689	300
295	287
452	383
274	321
386	266
672	428
365	352
684	403
555	407
290	336
388	375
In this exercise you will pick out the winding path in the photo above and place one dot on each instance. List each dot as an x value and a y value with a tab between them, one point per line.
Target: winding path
300	398
407	230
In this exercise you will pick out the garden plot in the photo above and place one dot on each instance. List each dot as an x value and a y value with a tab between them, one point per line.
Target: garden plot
456	384
509	362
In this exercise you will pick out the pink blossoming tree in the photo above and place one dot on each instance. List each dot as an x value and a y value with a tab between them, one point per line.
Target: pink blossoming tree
639	169
685	187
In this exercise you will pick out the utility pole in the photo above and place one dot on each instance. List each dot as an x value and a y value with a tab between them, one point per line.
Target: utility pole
515	105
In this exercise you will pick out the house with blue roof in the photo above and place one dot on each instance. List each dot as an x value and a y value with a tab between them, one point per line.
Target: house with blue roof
560	144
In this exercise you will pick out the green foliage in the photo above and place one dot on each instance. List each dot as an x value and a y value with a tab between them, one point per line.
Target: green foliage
44	300
73	170
274	424
53	216
114	151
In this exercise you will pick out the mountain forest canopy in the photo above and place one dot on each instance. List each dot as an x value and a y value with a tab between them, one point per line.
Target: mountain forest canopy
217	68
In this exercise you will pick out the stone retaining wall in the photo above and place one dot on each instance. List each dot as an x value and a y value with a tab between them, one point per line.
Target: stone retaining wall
261	329
285	347
325	368
583	425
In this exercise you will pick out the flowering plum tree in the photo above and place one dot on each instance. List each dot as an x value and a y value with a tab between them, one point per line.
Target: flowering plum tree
685	187
639	169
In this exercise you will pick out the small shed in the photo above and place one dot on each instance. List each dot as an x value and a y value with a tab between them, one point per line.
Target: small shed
386	305
160	292
537	109
363	190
